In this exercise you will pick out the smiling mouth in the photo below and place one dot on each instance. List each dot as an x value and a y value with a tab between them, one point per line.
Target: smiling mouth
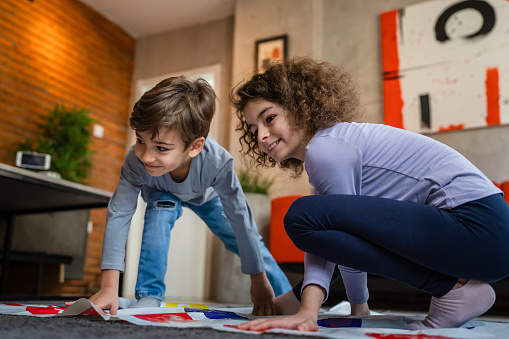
151	167
273	145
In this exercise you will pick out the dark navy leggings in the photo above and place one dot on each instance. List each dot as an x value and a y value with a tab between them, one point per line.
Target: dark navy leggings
423	246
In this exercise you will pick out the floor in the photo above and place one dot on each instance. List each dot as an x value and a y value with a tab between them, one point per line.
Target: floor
92	326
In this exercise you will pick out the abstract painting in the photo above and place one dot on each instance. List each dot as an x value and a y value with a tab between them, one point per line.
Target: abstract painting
446	65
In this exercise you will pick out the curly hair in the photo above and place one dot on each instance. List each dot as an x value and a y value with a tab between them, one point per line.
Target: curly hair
315	94
179	104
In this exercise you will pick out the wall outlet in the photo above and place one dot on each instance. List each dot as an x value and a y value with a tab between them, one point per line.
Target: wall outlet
98	131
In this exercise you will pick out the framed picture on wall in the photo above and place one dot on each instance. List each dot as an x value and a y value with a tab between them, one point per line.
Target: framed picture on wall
270	50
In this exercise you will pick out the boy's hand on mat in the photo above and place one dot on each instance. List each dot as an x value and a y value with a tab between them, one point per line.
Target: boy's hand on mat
300	322
105	299
262	295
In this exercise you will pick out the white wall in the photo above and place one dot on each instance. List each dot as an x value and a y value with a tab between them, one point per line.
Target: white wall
260	19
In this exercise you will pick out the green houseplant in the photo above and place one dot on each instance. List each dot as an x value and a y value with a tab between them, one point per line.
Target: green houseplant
254	183
65	134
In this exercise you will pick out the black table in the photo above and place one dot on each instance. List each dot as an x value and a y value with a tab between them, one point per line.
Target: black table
25	192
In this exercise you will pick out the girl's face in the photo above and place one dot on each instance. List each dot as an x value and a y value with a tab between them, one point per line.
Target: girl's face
269	123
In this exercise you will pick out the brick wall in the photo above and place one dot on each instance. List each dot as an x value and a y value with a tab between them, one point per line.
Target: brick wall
62	51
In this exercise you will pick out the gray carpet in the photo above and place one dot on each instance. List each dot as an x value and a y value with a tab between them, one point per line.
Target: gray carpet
78	327
24	327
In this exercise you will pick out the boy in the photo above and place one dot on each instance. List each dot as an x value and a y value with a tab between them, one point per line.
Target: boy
174	164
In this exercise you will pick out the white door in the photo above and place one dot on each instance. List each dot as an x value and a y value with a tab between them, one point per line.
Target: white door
189	264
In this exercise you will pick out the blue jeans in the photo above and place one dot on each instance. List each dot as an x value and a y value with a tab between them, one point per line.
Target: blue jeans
420	245
163	209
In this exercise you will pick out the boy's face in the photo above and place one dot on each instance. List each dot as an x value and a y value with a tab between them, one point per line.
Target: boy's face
269	122
165	153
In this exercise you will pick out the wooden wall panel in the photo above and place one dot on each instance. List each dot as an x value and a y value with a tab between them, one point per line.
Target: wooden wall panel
62	51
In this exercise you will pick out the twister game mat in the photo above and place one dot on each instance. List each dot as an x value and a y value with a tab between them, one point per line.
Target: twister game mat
333	323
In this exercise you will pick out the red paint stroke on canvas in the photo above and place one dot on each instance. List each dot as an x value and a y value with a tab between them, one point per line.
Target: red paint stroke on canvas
451	128
393	101
389	31
492	97
406	336
276	54
166	317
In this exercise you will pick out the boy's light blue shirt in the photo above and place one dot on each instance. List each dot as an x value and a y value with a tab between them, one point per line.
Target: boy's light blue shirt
211	174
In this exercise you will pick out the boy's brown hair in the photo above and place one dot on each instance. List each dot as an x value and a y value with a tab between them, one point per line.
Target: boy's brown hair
178	104
315	94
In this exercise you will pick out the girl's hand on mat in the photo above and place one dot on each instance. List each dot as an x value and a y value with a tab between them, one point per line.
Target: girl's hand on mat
304	320
300	322
262	295
105	299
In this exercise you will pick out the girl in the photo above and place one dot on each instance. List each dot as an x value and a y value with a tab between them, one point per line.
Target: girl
387	201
